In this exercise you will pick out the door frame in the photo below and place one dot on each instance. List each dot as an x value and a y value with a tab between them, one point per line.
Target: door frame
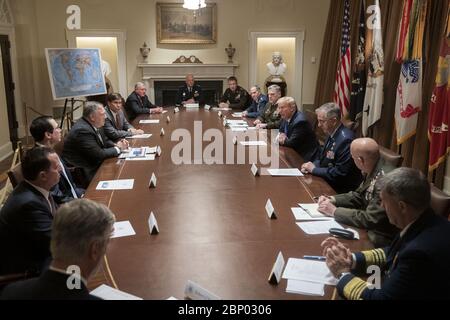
299	36
121	37
6	150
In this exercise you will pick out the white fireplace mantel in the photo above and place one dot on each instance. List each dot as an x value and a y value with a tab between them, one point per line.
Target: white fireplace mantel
178	71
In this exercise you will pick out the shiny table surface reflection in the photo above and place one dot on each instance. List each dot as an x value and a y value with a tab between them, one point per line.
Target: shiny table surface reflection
213	226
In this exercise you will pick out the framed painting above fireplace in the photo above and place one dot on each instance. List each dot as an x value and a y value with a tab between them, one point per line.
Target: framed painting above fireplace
176	25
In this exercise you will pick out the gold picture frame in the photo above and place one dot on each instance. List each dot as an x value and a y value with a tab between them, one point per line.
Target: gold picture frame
176	25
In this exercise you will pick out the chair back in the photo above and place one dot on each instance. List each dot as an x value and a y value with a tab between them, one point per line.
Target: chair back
440	202
391	157
15	175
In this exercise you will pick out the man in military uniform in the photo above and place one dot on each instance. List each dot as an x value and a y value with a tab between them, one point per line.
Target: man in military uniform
269	117
362	208
259	102
335	163
415	265
190	92
235	97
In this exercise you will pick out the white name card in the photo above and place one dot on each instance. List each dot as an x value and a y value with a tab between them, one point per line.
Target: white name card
255	170
152	183
270	210
277	270
158	151
192	105
168	119
176	110
153	224
220	114
195	292
162	132
207	107
235	140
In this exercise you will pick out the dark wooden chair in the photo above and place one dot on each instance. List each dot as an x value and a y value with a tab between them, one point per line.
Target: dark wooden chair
15	175
440	202
391	157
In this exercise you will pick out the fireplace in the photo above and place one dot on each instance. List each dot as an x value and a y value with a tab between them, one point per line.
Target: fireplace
163	80
166	91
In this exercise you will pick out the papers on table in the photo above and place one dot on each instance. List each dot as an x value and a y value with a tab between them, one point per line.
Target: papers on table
140	136
318	227
312	209
150	150
147	157
285	172
309	270
305	287
116	185
301	215
238	129
237	114
253	143
108	293
192	105
221	109
148	154
242	123
165	111
123	229
155	121
133	153
194	291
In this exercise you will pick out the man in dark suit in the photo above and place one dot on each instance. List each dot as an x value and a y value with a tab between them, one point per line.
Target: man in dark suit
190	92
415	265
26	218
80	236
46	133
138	103
86	146
116	125
362	208
295	130
334	162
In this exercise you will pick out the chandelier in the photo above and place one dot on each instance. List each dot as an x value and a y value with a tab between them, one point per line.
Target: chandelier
194	4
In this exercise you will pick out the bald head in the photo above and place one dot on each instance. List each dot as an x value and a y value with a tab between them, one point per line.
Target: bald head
366	153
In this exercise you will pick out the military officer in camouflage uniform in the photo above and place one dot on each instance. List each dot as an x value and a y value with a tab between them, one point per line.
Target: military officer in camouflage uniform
235	97
190	92
362	208
270	118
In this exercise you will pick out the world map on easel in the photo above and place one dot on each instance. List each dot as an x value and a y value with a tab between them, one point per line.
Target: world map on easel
75	72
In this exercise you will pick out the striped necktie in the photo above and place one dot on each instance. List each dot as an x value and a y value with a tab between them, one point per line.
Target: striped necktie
52	203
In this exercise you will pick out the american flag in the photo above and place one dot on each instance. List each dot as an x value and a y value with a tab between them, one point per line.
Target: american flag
342	86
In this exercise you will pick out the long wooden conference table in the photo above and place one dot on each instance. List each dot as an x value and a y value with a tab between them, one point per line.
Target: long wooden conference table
213	226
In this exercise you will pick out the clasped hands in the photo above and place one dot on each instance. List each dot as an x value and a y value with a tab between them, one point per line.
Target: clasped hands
122	144
339	258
